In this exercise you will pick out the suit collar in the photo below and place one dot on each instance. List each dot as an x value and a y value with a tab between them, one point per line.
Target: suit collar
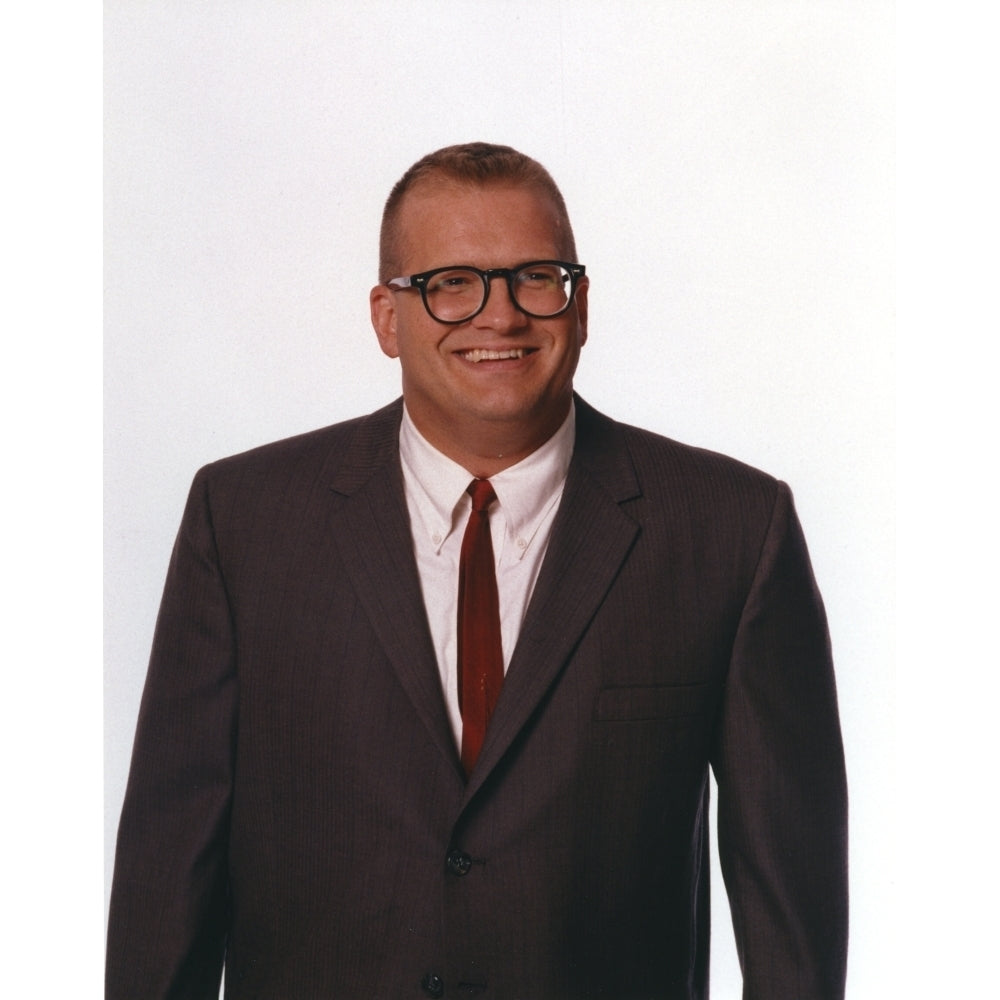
601	453
599	450
373	448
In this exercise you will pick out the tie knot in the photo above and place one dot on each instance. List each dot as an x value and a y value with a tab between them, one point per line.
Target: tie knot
482	494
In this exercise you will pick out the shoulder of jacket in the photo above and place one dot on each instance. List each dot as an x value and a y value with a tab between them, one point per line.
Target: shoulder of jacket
328	446
658	458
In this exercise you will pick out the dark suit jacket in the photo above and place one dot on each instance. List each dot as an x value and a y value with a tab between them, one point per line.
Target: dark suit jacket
296	803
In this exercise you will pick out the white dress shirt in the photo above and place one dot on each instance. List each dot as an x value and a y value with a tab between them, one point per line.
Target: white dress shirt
528	496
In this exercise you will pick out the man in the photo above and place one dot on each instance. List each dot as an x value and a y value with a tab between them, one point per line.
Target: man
434	692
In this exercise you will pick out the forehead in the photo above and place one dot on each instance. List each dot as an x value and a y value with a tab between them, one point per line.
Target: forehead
445	222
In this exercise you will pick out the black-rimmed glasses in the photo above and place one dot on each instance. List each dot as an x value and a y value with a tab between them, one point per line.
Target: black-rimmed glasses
540	288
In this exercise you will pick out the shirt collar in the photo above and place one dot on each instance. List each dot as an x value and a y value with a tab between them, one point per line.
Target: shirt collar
526	491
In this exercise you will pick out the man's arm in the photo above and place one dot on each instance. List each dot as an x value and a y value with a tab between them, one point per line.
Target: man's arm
782	788
166	932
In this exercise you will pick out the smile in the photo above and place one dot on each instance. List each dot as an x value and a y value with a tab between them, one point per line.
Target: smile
478	354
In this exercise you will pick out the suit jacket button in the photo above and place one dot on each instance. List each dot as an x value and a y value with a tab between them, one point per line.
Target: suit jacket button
432	985
458	862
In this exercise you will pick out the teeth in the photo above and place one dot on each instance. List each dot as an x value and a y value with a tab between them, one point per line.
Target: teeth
480	355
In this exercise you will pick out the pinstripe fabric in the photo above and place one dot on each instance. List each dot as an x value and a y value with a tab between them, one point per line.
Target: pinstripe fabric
296	803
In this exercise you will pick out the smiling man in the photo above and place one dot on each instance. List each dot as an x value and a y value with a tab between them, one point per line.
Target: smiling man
487	374
434	693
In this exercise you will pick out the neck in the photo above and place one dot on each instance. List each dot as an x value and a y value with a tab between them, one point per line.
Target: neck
489	447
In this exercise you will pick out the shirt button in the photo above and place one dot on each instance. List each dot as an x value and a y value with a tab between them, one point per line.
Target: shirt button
432	985
436	538
522	544
458	862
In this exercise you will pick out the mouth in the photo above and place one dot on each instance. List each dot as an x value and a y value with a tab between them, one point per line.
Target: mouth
479	354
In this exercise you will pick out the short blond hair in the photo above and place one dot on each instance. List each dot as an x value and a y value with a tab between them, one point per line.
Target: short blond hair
473	163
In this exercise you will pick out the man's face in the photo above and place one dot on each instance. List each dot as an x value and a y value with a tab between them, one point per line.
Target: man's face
453	389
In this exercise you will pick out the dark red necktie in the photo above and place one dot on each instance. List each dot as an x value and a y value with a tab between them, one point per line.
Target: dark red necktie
480	653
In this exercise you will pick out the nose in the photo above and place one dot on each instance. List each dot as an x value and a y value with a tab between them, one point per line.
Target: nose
500	311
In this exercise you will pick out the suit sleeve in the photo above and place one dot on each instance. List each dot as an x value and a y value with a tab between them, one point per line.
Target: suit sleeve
782	788
166	929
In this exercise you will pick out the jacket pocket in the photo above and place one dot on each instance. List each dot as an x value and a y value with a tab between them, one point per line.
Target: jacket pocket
634	703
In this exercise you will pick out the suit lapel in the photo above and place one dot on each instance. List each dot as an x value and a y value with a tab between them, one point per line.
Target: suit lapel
377	550
590	539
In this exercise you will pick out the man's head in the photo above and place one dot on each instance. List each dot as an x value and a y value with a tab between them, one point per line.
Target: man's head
488	387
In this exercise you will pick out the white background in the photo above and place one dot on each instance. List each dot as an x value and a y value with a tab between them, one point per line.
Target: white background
737	157
728	168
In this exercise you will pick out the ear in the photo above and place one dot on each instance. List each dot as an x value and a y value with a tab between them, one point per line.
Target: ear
383	307
581	307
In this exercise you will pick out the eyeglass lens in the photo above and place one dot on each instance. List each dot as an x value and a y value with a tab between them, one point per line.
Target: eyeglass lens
458	293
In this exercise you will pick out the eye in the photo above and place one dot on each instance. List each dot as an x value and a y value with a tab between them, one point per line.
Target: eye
541	276
454	281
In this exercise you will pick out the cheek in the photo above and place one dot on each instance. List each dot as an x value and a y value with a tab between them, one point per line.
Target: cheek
417	350
573	340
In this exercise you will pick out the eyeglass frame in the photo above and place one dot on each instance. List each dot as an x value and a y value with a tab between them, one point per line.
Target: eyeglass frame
419	282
